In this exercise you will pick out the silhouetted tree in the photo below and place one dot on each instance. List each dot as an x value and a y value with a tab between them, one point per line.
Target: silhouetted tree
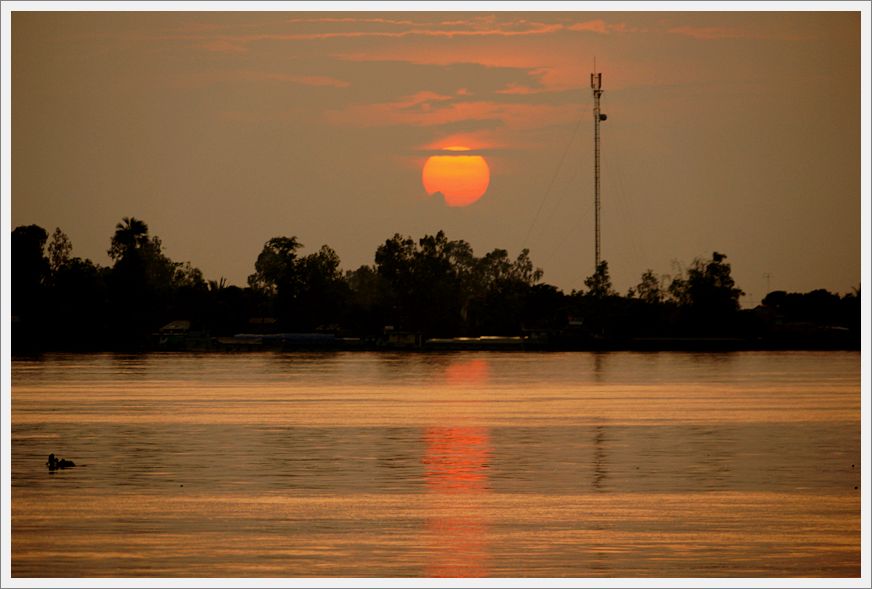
130	234
546	307
30	268
322	290
648	290
502	292
59	250
141	283
276	277
708	295
364	284
139	258
433	285
230	309
524	271
62	299
79	300
190	295
366	312
438	286
30	272
819	307
442	284
599	284
275	268
394	263
307	292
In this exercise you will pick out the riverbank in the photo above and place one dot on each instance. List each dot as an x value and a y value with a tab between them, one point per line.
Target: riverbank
326	343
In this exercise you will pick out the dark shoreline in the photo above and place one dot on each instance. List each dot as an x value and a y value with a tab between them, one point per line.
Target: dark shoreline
660	344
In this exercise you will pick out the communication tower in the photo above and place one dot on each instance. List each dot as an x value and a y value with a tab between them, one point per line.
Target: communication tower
596	84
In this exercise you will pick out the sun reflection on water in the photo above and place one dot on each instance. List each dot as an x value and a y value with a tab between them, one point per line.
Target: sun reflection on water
456	461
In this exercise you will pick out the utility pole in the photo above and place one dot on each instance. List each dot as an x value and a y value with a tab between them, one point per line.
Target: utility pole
596	84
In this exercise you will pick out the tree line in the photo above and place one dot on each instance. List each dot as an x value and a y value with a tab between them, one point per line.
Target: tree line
432	286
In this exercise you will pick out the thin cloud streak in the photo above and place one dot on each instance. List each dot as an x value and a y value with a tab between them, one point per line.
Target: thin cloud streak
244	39
232	76
602	27
719	33
419	113
327	20
520	28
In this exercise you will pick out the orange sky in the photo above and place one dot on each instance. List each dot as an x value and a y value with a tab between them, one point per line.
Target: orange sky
736	132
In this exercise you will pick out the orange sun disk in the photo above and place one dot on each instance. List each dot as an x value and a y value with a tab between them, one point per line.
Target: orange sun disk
462	179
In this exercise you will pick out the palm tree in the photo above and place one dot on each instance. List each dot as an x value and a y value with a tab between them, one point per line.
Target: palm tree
130	234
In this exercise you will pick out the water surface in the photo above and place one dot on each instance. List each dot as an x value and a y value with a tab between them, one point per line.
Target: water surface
445	464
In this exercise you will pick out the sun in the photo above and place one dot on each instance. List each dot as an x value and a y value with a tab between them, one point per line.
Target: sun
461	178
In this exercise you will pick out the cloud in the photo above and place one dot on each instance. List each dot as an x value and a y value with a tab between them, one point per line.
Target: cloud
308	80
533	29
717	33
708	32
476	42
601	26
393	29
330	20
420	112
420	100
518	89
538	76
483	27
191	80
478	142
223	46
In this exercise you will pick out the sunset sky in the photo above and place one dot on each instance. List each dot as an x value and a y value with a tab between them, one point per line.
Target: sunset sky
730	131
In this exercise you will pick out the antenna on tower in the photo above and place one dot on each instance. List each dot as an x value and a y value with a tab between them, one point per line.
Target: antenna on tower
596	84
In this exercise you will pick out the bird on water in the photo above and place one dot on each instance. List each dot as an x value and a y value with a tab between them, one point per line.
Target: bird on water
55	463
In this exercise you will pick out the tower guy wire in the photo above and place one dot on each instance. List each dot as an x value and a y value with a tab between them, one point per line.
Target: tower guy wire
551	183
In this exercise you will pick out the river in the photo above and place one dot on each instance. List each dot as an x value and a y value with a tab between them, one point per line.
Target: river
469	464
